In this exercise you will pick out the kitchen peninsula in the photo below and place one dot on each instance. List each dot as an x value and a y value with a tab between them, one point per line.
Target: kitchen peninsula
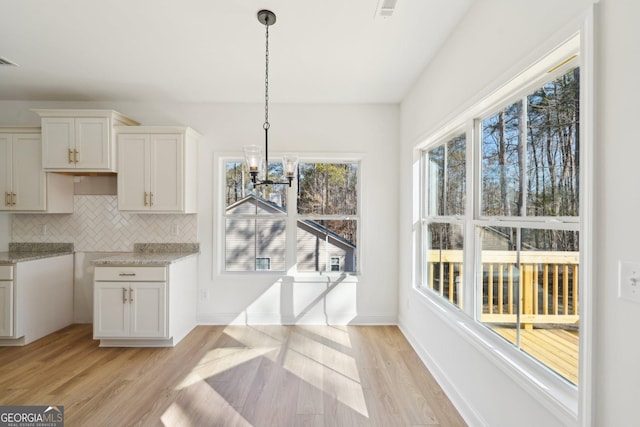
36	291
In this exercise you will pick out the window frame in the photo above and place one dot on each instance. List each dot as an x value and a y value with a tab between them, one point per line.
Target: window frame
570	402
427	218
291	216
332	264
338	217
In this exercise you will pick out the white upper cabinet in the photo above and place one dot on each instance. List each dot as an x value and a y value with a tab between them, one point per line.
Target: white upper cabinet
157	169
24	185
80	140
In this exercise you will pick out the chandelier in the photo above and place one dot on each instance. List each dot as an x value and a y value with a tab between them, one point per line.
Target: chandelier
254	158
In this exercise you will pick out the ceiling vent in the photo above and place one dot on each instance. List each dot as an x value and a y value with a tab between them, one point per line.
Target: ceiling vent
5	61
385	8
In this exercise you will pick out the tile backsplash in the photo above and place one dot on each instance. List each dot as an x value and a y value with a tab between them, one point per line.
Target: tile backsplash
97	226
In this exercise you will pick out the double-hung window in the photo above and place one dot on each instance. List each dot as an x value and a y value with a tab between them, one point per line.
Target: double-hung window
443	218
255	221
312	226
327	220
500	216
528	223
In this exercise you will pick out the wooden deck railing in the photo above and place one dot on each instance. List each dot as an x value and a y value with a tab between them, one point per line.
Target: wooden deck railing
546	284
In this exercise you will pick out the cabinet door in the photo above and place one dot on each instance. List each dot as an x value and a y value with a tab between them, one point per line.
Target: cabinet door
111	309
92	143
133	172
6	171
28	175
148	310
6	309
167	172
58	137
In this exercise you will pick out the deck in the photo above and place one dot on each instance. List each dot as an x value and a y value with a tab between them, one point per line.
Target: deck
555	347
538	289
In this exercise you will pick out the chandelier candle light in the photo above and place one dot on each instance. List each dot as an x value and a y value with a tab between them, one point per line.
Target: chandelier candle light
253	153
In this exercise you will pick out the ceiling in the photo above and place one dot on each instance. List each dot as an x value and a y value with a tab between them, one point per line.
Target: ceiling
324	51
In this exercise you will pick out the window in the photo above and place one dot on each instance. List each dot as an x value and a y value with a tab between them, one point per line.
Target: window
255	222
529	263
263	264
443	218
516	232
321	210
327	216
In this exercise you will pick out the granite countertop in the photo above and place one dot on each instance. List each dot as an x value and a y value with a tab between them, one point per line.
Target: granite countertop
20	252
151	254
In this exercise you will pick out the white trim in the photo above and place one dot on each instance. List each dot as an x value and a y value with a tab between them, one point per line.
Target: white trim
550	390
543	223
571	404
512	78
586	374
219	209
466	410
244	318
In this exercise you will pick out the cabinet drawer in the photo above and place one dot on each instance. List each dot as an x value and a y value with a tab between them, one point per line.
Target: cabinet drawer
131	274
6	272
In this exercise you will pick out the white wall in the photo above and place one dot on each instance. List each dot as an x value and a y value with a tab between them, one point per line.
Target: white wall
371	130
617	206
492	41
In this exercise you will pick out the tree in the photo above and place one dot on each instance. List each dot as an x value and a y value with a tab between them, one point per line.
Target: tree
330	189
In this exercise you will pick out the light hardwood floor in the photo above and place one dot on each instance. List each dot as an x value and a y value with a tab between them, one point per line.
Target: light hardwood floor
231	376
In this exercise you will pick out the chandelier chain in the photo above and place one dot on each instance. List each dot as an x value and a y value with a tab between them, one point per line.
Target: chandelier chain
266	76
256	160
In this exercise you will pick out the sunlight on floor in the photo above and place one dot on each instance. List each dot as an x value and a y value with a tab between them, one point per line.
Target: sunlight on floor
220	360
193	408
320	357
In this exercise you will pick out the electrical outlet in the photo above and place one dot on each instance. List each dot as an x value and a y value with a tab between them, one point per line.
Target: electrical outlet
43	229
175	229
629	281
204	294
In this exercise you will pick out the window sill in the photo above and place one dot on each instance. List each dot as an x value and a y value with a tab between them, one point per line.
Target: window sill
302	277
548	388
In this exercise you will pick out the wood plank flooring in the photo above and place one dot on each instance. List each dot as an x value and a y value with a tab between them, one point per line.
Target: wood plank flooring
231	376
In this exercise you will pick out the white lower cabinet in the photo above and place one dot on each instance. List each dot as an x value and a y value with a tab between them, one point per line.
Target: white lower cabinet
6	301
36	299
130	309
144	306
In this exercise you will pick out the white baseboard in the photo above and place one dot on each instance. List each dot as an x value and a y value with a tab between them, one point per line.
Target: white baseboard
467	412
244	318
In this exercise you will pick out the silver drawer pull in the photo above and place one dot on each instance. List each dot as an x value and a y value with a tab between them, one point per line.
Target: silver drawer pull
127	274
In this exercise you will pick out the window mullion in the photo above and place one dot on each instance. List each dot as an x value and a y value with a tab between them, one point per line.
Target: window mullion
523	153
291	229
445	167
472	207
421	271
